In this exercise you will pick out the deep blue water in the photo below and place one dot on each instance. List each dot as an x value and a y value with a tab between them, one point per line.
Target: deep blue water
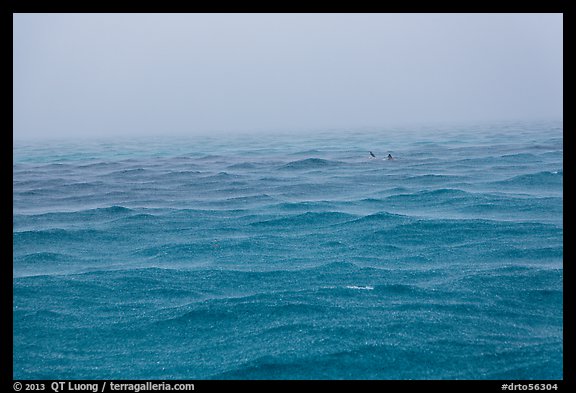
291	256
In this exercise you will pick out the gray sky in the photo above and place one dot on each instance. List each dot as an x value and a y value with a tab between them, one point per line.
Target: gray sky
132	74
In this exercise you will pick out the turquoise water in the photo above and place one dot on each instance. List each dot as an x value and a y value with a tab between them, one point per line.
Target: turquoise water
291	256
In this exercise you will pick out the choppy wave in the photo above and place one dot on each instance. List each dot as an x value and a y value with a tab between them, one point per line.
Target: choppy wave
309	163
544	179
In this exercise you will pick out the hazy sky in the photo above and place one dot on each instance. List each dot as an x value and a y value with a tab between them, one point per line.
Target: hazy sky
130	74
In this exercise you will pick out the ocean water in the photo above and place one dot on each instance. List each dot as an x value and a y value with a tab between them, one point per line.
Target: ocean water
277	256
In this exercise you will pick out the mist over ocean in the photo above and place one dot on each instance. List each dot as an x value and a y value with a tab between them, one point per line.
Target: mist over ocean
291	256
